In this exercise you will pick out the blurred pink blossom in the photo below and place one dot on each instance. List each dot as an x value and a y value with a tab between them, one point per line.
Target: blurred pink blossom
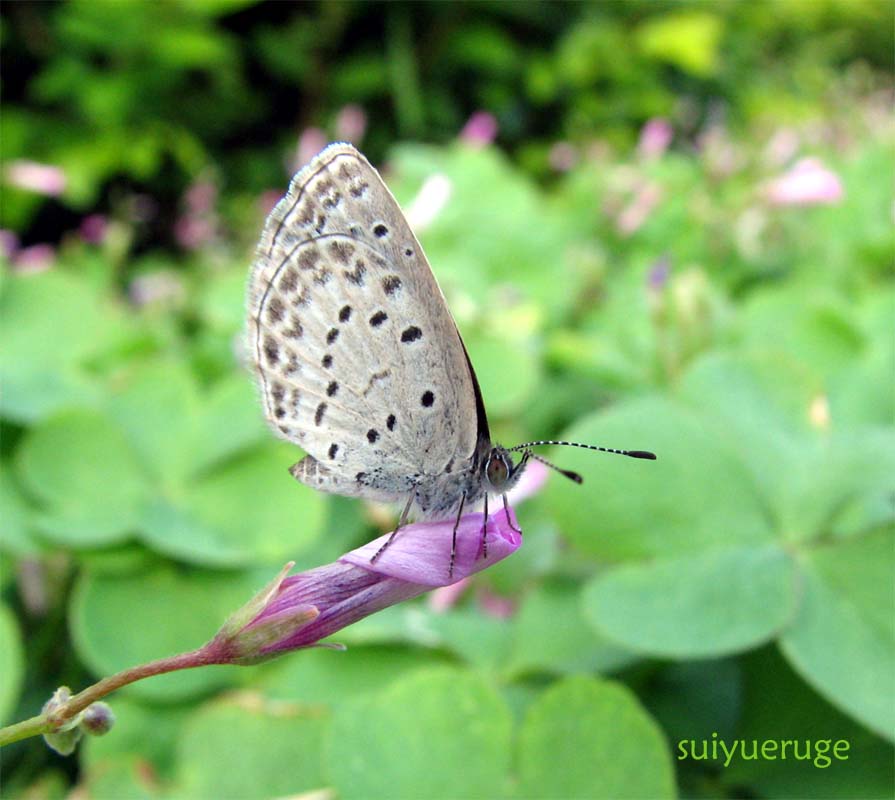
496	605
198	224
201	197
720	155
351	123
808	182
93	228
9	243
446	597
193	232
268	200
639	209
40	178
480	129
529	484
563	156
310	142
655	136
781	147
37	258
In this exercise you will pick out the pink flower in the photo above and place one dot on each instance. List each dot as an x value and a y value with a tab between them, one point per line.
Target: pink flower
300	610
310	142
480	129
351	123
9	243
632	217
563	156
781	147
808	182
193	232
655	136
93	228
201	197
529	484
40	178
37	258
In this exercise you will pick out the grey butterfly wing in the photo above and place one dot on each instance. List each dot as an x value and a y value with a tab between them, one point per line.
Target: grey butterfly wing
358	359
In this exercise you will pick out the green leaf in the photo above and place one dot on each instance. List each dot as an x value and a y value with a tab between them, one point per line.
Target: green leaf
507	370
778	705
16	538
12	663
245	748
125	777
31	392
762	407
440	733
687	39
230	421
29	301
584	738
159	408
122	620
551	634
254	505
39	371
150	730
843	639
329	676
695	606
696	495
83	469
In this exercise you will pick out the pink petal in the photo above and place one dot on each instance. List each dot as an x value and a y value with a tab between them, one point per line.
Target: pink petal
37	258
807	183
40	178
445	597
480	129
351	123
654	138
93	228
421	553
311	142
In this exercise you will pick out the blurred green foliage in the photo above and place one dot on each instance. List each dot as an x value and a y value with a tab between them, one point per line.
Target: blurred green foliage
741	585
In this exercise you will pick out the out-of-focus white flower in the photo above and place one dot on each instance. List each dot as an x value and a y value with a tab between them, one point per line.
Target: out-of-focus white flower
807	183
431	199
43	179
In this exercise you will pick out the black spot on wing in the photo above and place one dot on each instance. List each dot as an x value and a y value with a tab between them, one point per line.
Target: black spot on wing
411	334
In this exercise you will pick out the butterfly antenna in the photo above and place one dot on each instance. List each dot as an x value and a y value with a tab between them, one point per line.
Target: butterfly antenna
632	453
574	476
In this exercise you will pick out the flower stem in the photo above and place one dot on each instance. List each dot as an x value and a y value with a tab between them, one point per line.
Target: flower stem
50	722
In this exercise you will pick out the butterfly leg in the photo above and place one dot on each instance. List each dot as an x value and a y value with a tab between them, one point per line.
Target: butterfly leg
401	522
506	508
484	530
454	536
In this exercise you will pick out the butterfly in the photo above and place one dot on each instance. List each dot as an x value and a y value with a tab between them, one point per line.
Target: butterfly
358	359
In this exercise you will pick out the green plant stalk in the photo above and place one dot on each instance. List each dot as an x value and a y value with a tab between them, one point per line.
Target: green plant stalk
53	721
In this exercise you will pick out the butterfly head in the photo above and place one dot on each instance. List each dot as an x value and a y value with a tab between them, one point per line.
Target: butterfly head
500	471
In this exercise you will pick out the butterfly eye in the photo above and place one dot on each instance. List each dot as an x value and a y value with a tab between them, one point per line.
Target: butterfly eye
497	469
